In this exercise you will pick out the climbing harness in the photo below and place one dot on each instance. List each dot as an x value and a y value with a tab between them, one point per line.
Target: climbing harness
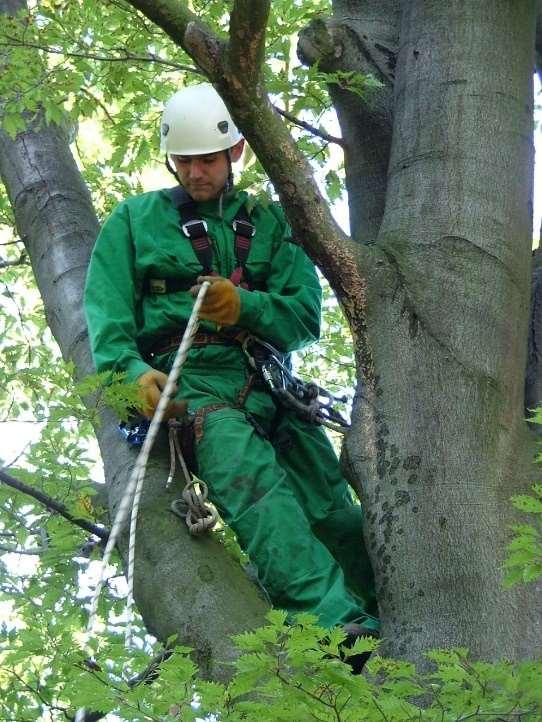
132	493
195	229
307	400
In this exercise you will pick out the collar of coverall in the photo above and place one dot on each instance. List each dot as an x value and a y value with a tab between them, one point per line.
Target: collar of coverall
213	207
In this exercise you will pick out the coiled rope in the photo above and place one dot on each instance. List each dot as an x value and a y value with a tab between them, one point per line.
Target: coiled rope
192	506
132	493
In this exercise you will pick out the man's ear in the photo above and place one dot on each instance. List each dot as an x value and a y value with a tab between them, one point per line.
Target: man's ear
236	150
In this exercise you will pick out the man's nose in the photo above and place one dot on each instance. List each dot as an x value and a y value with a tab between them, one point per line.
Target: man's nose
196	169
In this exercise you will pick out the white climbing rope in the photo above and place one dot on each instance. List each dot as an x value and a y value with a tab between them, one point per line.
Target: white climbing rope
132	493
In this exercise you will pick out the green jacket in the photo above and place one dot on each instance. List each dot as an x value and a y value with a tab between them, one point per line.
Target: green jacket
142	239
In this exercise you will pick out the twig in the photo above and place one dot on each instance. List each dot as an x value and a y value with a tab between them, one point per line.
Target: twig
21	261
100	104
492	714
16	459
307	126
380	710
33	690
29	552
126	55
53	505
152	670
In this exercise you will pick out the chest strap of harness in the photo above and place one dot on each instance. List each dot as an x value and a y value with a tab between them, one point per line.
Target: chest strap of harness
195	229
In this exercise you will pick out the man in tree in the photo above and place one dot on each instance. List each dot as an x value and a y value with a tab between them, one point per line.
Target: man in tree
273	477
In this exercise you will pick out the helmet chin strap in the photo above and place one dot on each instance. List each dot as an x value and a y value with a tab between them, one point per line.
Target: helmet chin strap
171	169
228	186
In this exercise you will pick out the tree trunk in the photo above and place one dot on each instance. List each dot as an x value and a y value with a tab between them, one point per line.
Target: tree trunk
439	436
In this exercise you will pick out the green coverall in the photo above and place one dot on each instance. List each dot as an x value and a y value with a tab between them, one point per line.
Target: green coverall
285	498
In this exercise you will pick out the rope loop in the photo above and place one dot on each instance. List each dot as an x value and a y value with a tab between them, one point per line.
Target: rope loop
192	507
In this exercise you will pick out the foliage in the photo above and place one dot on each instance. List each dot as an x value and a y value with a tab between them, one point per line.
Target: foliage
108	73
280	669
300	668
524	564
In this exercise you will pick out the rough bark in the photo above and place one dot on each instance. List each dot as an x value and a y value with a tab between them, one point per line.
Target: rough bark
533	376
447	329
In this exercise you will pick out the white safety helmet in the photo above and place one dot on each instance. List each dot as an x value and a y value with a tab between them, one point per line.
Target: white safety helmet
196	121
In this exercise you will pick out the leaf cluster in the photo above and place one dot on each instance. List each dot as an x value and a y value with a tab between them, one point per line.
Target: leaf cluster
524	562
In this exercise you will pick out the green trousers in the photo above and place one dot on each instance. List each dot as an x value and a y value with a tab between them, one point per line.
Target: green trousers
284	497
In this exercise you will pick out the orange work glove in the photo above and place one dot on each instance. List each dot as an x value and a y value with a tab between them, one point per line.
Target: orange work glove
151	384
222	303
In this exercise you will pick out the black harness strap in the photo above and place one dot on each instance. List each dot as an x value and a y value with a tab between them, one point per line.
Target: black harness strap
167	285
195	229
244	232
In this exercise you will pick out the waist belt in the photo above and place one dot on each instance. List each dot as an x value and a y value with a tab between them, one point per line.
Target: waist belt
223	338
170	284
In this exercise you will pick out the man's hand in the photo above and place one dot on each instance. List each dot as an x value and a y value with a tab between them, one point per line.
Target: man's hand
222	303
151	384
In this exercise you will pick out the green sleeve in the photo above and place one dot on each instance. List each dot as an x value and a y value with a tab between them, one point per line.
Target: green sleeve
111	299
287	314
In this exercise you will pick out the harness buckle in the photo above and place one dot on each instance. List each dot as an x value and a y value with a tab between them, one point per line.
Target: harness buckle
157	285
244	228
185	227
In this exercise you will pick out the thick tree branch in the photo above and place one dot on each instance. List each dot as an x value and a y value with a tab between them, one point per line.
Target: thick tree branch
52	505
365	41
246	49
186	29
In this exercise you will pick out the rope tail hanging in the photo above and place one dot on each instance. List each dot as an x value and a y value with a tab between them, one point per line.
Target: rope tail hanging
132	493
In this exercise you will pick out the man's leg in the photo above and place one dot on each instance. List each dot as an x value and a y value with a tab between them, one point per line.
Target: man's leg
312	468
252	493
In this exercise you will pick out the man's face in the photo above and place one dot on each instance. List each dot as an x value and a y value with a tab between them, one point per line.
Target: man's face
203	176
